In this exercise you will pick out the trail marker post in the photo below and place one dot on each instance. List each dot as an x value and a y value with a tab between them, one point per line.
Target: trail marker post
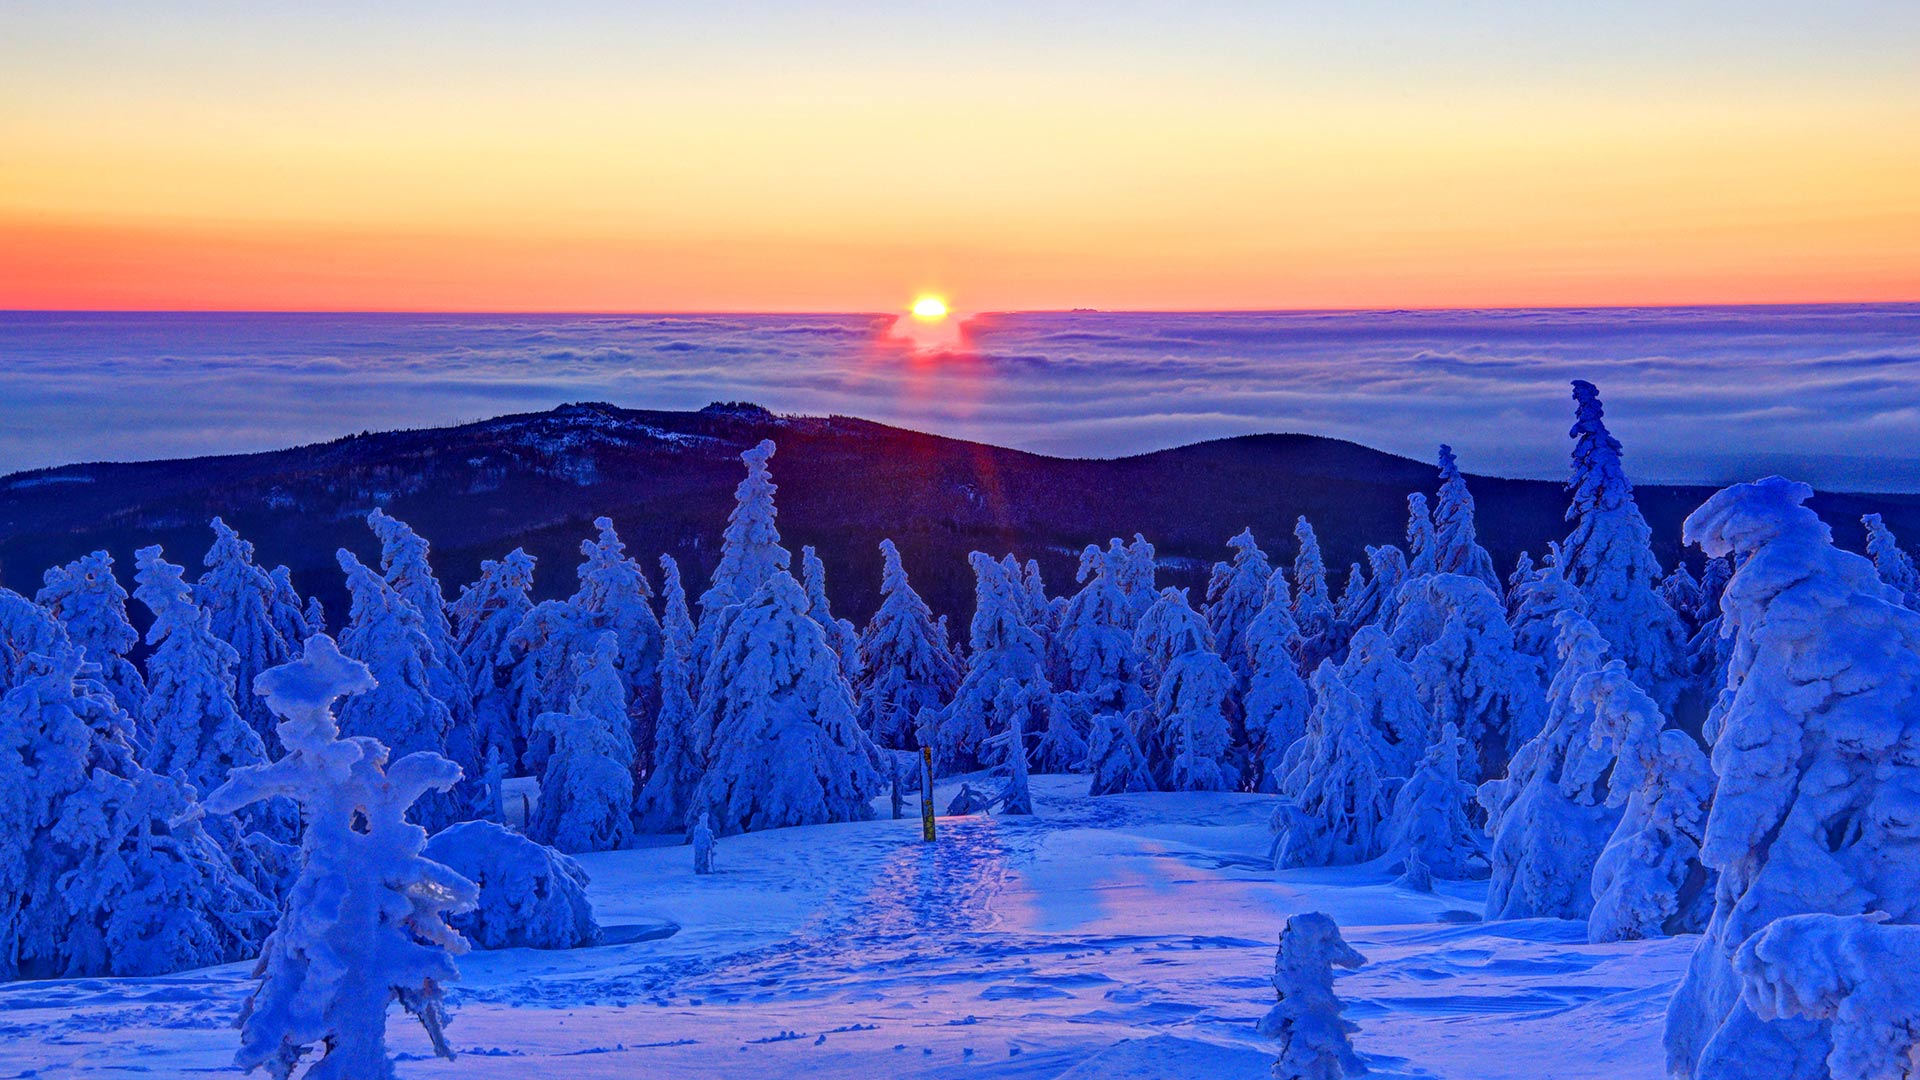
926	794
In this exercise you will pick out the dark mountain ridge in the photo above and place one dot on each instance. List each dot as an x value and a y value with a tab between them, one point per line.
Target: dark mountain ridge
538	480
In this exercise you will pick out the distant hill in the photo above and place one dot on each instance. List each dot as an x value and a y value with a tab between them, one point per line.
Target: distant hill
666	479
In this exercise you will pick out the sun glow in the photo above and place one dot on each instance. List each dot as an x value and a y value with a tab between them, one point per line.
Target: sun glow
930	309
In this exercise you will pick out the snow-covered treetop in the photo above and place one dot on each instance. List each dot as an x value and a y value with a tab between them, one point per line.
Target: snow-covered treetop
195	726
1170	628
302	693
1422	554
403	559
1309	569
86	597
1235	594
502	595
1895	566
1457	550
750	550
676	621
608	578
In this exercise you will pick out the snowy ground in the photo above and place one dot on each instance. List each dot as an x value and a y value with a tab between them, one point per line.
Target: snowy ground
1127	936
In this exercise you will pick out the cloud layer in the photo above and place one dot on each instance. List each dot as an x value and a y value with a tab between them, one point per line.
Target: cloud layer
1828	394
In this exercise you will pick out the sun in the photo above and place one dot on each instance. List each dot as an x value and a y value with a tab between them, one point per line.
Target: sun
930	309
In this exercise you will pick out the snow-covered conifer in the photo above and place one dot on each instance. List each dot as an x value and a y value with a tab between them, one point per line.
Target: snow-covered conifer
1457	549
841	636
531	896
1649	880
1389	699
365	923
750	551
537	664
906	664
1190	716
1338	782
1549	817
1138	581
297	619
1312	605
1276	703
484	618
403	561
702	841
1681	591
400	710
1522	573
1535	616
240	600
27	630
1010	747
314	616
1473	677
614	597
786	747
1430	823
1608	557
1894	565
1093	652
1236	592
1314	1043
1817	754
1114	758
1855	973
1005	649
92	606
1423	553
586	790
680	743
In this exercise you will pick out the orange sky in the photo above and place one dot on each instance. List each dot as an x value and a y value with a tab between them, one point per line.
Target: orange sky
408	163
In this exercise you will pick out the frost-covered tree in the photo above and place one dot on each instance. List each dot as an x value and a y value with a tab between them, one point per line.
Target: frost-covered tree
1894	565
1190	710
1471	676
786	748
197	730
1337	780
1817	754
1681	591
1314	1043
1522	573
1236	592
537	663
701	838
1114	758
403	561
365	924
1549	817
1372	601
1138	582
906	663
295	618
531	896
1457	549
1430	823
90	603
1005	649
27	630
1093	651
1609	558
841	636
1854	973
750	551
586	789
484	619
1276	702
240	600
313	616
1389	699
680	743
1536	611
1010	748
614	598
400	710
1649	880
1423	555
1312	605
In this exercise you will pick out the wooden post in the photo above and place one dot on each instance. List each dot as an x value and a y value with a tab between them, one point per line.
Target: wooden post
926	793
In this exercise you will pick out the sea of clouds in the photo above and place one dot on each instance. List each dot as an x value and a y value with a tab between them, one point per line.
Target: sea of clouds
1830	394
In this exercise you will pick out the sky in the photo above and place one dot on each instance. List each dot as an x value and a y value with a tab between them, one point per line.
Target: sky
848	156
1706	395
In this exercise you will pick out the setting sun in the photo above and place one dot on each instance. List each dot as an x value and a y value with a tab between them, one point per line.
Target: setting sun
930	308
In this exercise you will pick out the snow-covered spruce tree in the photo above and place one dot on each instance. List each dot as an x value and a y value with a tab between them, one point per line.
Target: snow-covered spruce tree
365	924
104	868
1114	758
1649	880
400	710
1138	583
1042	613
1608	557
701	839
1817	751
90	603
1093	653
786	748
1312	605
1681	591
1306	1019
1190	708
1522	573
1236	592
1894	565
1010	750
1369	598
1337	781
614	597
295	618
1276	702
484	619
1005	649
1457	549
1536	614
1423	555
240	600
197	732
1549	816
403	560
586	790
680	743
841	636
537	659
531	896
1473	677
27	630
314	616
1857	974
1430	823
1389	699
750	551
905	662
